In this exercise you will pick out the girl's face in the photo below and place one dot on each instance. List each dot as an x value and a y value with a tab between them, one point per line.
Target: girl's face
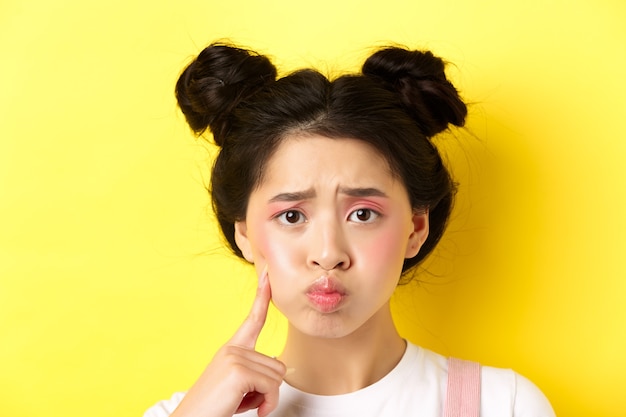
334	226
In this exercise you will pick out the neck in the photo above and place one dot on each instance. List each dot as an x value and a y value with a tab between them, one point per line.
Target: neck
332	366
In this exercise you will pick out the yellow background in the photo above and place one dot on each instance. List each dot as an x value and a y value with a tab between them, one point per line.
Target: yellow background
114	291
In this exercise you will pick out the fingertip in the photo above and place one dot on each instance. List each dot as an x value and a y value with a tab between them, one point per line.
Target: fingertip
265	409
282	365
270	402
264	290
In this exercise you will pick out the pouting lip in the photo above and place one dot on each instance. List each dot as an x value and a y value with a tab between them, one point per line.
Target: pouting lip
326	285
326	294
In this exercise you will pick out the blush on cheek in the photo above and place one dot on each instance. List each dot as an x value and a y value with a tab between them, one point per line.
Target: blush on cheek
264	247
385	251
278	253
284	269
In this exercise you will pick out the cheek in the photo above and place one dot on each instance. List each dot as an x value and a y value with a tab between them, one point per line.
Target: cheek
284	266
272	249
384	254
389	244
282	256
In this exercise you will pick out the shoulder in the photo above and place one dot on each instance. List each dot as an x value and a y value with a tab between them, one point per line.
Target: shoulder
504	392
166	407
505	389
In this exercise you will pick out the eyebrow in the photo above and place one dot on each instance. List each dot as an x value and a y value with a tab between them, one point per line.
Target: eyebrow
362	192
310	193
294	196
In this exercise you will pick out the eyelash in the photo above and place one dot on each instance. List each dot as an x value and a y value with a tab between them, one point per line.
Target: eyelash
372	215
282	217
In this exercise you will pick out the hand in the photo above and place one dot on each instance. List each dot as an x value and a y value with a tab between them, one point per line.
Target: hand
238	378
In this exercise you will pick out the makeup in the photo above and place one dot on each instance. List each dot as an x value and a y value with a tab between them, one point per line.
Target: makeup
326	294
335	234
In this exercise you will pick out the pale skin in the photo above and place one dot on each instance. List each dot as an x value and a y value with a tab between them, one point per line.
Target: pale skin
333	233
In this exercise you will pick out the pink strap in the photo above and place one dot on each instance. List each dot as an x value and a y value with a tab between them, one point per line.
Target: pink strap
463	395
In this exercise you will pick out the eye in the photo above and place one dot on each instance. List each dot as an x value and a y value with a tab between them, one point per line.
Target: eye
363	216
291	217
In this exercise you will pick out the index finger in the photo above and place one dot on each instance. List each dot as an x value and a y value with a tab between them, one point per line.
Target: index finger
248	332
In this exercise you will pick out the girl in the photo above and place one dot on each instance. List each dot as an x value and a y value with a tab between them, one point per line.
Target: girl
334	191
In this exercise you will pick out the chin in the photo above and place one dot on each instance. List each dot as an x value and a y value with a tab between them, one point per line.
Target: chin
323	326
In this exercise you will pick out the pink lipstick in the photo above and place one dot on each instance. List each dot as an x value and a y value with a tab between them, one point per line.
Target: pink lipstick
326	294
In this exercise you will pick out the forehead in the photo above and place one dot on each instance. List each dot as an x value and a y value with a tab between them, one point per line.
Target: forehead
302	161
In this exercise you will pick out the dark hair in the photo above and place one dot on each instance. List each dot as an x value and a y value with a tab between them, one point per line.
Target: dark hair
396	104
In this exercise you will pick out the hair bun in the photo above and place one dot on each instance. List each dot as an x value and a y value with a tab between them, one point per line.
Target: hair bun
419	78
216	82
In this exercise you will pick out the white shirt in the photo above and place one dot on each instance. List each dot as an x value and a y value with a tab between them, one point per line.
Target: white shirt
415	387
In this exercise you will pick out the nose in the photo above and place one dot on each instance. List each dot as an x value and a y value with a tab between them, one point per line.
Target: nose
328	248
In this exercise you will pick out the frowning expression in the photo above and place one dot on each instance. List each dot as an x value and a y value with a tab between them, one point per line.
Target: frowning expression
334	226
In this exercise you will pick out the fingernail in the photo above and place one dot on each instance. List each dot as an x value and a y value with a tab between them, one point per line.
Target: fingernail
290	371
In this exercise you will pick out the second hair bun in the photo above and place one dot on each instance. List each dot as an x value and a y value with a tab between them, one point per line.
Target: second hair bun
216	82
419	79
